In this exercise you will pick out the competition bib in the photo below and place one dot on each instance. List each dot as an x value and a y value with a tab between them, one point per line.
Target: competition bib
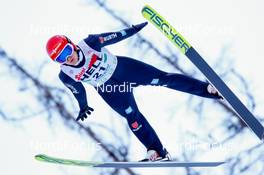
98	66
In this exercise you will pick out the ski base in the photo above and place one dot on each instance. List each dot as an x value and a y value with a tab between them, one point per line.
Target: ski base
164	164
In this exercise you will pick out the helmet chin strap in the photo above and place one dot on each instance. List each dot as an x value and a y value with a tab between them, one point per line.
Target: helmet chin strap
78	55
76	48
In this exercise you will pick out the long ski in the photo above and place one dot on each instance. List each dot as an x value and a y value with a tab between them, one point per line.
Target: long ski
49	159
180	42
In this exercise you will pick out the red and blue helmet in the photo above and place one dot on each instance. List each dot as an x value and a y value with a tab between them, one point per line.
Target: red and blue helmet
59	48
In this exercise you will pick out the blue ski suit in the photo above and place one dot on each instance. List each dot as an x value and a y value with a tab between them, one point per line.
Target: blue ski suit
130	72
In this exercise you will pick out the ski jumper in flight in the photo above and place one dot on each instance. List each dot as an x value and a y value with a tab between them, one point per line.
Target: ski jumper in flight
90	62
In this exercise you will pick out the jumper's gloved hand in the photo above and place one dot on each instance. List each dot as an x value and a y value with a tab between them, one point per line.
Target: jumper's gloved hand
138	27
83	113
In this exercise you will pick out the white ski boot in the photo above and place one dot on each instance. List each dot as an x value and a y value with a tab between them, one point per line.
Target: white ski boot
153	156
213	90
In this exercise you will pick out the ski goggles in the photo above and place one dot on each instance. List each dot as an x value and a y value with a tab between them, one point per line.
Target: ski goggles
66	52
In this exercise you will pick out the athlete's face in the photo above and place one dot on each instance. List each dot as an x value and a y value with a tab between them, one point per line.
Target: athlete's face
72	60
